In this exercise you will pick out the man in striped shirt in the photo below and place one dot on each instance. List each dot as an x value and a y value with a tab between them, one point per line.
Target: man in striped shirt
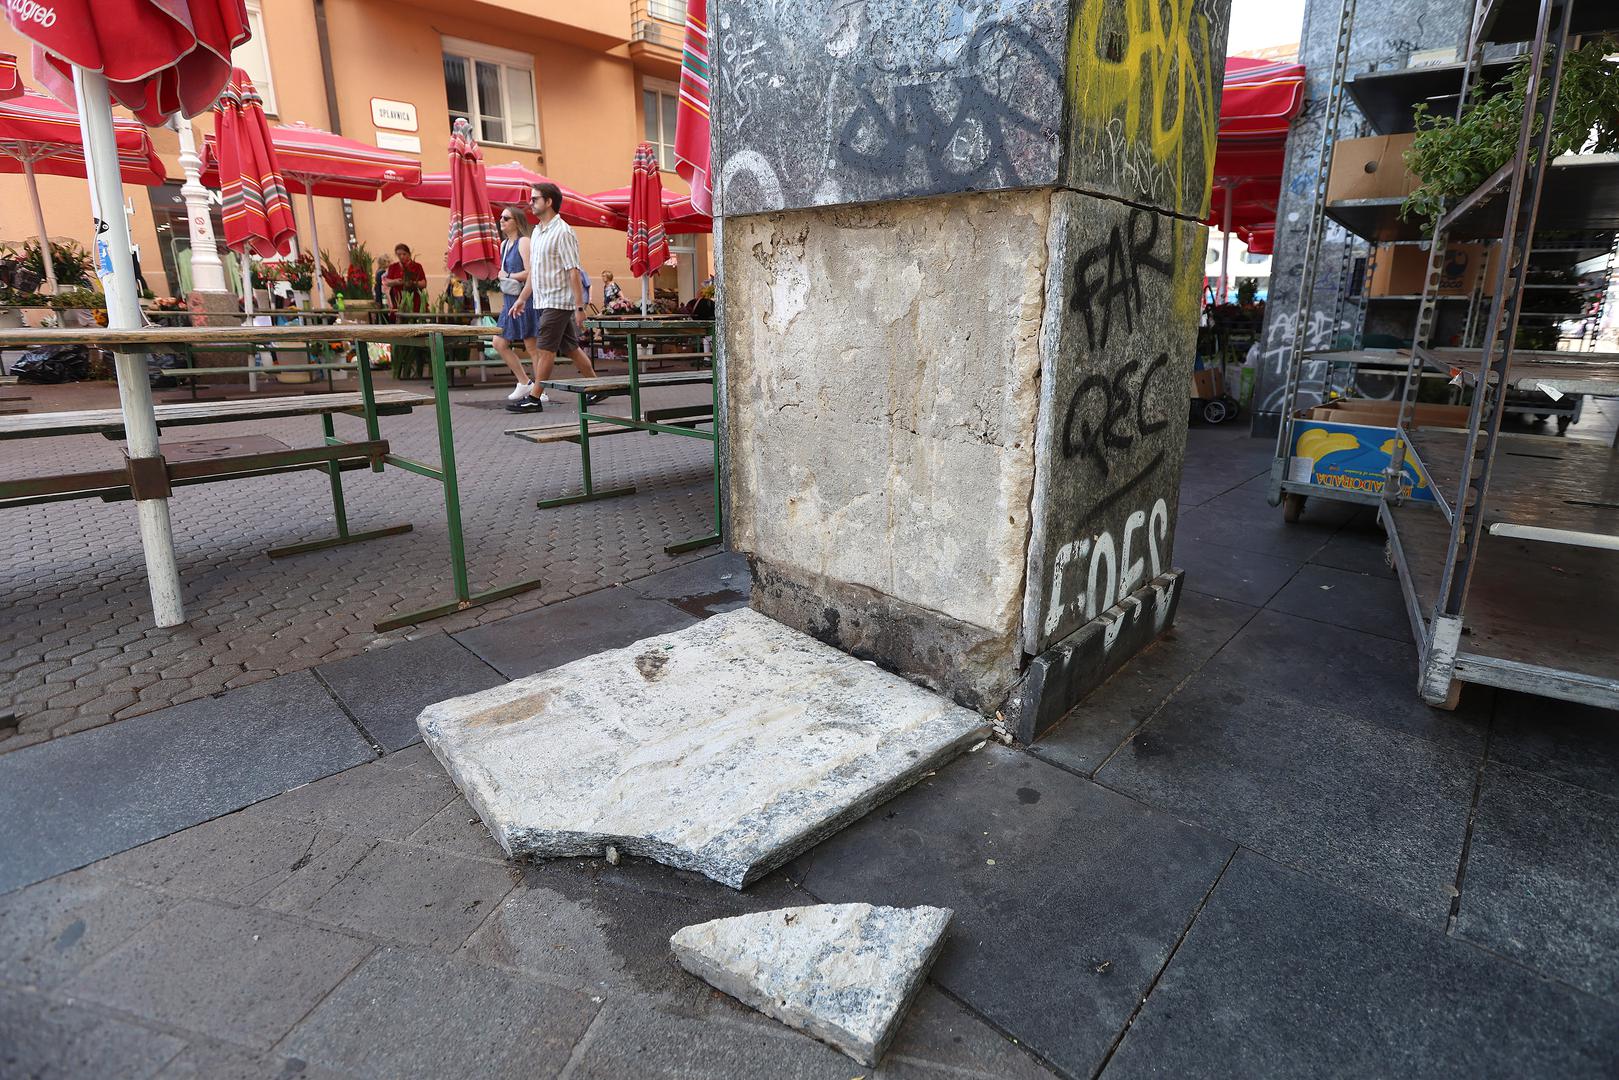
557	293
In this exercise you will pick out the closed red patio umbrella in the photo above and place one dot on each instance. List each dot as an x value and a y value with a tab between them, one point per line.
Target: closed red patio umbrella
692	140
645	243
510	184
10	81
474	248
257	208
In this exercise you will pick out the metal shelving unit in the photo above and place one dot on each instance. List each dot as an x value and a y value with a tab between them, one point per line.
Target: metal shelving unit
1515	581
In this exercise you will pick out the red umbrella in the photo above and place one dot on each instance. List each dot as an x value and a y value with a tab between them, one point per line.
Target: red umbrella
474	249
680	214
509	185
159	57
646	244
39	134
691	123
1258	103
1261	239
257	208
10	82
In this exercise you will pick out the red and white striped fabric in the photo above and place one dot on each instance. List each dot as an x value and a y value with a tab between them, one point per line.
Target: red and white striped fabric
510	184
42	133
691	123
10	81
679	215
160	57
257	210
316	162
646	244
474	247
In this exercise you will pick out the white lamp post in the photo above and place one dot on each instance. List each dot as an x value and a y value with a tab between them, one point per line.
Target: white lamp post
207	272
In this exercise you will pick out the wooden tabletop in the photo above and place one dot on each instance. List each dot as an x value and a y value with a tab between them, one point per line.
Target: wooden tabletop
157	338
182	414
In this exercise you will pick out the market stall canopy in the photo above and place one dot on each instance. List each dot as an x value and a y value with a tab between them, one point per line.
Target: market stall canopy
679	214
10	80
316	162
1253	203
474	245
509	185
1261	240
42	135
1257	107
159	57
257	209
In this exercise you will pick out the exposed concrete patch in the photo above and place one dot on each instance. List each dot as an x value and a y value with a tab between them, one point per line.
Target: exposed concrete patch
844	973
747	743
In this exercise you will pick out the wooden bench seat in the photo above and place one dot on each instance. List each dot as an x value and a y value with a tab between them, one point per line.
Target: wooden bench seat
620	384
110	422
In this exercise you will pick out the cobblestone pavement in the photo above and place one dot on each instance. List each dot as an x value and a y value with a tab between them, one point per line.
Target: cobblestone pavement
77	646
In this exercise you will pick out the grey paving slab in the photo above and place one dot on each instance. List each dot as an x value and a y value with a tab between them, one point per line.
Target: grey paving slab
457	828
245	976
1096	726
386	688
1055	938
1540	878
40	1038
1378	812
221	1061
1357	547
1359	601
1282	976
385	798
633	1040
1247	577
1370	677
706	587
403	893
72	801
1243	520
1576	744
406	1015
539	640
52	930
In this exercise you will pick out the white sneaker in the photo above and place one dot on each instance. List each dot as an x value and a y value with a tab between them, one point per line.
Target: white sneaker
545	398
522	391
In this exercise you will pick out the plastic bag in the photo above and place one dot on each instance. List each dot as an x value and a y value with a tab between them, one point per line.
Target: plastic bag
53	364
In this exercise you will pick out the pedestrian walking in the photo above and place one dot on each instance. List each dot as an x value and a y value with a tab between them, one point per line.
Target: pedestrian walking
556	289
519	323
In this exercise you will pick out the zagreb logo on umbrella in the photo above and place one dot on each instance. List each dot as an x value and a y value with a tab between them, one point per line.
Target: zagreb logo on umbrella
33	11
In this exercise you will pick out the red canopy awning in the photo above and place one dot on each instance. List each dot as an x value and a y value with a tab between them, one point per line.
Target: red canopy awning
1259	101
679	215
509	185
316	162
1260	97
40	131
10	81
1260	240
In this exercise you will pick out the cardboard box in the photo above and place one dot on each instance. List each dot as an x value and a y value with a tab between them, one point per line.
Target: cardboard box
1208	383
1372	168
1399	269
1383	414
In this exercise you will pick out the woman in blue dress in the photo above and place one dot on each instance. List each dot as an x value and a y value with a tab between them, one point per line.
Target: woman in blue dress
519	323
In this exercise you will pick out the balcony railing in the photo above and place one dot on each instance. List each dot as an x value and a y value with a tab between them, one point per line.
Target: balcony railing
658	22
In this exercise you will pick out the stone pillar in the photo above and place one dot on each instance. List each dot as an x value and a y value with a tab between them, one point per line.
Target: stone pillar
961	273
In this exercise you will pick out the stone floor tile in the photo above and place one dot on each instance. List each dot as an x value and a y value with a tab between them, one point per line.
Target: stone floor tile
49	1039
1577	744
634	1040
1095	727
1241	520
1378	812
384	689
75	800
456	828
1240	574
1361	602
1054	938
1357	547
52	930
405	1015
706	587
1540	878
401	893
1282	976
208	1060
372	800
242	975
554	635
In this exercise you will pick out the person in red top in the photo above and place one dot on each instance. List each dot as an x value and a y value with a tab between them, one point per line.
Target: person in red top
406	282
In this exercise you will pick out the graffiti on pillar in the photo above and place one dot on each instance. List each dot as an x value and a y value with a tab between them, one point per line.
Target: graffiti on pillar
822	102
1144	79
1112	427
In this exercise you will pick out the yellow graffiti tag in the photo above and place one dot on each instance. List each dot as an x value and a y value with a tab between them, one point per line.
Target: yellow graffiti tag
1149	73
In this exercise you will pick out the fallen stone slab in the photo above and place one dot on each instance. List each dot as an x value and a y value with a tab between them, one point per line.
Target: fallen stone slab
844	973
725	748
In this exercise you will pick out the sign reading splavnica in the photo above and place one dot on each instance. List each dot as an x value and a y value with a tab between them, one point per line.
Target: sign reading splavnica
395	115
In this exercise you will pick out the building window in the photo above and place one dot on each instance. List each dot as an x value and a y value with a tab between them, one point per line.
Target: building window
673	11
494	89
660	105
253	56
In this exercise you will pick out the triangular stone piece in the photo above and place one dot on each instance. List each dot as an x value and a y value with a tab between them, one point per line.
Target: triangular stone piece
844	973
726	748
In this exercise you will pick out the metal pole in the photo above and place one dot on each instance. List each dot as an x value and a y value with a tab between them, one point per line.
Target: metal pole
39	224
247	317
314	238
123	313
1225	240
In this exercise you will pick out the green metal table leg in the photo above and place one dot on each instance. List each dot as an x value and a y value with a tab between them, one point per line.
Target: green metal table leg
635	377
368	395
452	489
334	472
590	494
339	511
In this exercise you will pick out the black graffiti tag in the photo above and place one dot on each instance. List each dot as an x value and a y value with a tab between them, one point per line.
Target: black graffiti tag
1119	414
1121	262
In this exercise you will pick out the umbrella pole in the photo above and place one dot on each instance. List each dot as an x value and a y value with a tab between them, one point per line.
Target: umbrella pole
643	293
1225	240
314	238
124	313
39	225
247	313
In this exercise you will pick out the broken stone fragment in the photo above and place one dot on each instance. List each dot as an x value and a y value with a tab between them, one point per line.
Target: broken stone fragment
844	973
